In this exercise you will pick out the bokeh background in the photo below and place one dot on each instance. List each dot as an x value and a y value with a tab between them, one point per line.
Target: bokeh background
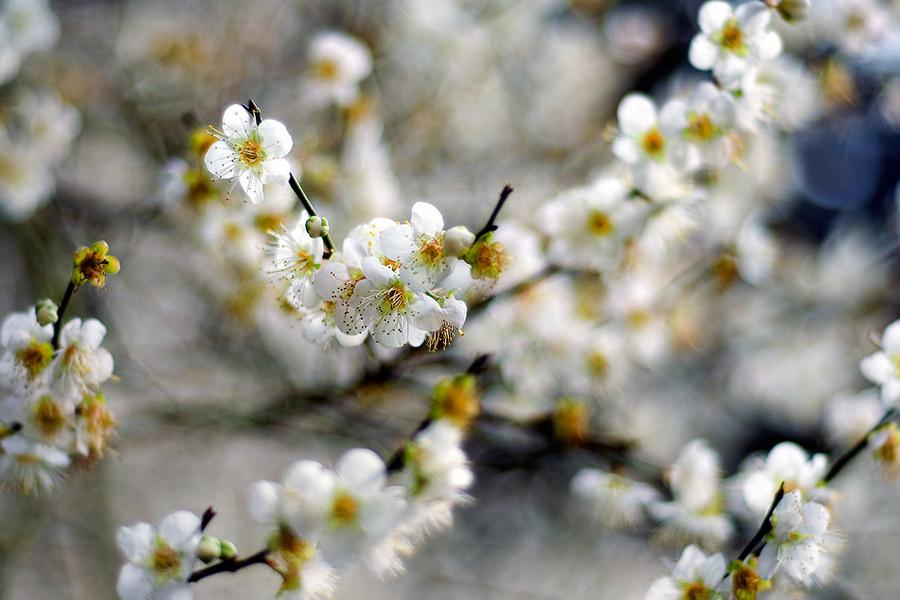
216	388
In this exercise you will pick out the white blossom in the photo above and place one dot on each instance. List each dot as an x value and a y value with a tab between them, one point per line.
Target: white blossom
797	544
883	367
695	575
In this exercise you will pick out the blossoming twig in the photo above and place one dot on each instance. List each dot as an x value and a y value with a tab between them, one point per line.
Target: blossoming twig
842	461
230	566
764	528
254	110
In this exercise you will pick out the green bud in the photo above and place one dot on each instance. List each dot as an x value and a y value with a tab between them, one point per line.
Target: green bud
210	549
317	226
229	550
46	312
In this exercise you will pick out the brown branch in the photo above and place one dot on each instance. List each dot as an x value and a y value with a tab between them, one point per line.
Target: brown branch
61	311
490	226
230	566
842	461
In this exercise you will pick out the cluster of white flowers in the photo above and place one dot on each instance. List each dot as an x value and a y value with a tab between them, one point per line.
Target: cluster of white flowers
321	520
53	409
26	26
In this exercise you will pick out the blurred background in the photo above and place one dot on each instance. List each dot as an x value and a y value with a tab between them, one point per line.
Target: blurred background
216	387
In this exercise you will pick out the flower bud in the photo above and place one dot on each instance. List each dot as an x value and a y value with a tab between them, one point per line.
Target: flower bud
229	550
457	240
210	549
317	226
45	310
792	11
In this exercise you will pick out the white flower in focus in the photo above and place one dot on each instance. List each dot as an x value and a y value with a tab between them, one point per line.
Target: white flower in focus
30	466
338	63
393	310
254	154
695	575
732	40
444	322
296	257
25	350
82	364
797	544
614	500
788	463
418	247
318	326
883	367
159	562
26	26
699	127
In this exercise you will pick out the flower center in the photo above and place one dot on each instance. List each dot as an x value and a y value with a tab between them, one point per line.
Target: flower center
489	260
443	337
166	561
697	591
344	509
395	299
701	128
251	152
653	143
598	364
638	318
326	69
432	252
35	357
600	223
733	38
48	417
93	266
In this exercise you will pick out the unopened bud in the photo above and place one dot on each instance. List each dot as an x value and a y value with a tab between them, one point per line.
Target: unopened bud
229	550
457	240
46	312
210	549
317	226
792	11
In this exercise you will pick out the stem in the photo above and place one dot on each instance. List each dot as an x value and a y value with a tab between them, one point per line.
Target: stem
67	297
230	566
842	461
304	200
254	110
764	528
490	226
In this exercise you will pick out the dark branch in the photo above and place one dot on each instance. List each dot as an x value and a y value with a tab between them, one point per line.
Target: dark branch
67	297
490	225
764	528
208	515
230	566
842	461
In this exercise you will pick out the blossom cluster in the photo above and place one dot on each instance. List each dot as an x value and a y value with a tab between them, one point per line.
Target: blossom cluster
54	411
322	519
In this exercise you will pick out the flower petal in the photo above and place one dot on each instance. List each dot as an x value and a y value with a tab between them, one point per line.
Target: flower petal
221	160
252	185
237	122
276	140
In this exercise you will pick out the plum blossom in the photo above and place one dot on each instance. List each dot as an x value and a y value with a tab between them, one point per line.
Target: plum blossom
695	575
883	367
338	63
798	542
253	154
159	561
733	39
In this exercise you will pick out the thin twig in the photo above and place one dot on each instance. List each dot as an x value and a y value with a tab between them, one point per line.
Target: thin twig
230	566
254	110
764	528
61	311
490	226
842	461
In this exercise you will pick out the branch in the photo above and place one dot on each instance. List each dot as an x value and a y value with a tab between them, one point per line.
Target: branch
764	528
252	108
490	226
61	311
842	461
230	566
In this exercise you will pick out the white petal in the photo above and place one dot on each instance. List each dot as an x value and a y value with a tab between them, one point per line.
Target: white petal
877	368
252	185
392	330
180	529
92	334
426	219
135	541
713	16
311	479
221	160
376	273
134	584
262	501
397	241
276	140
361	470
702	53
237	122
276	170
890	340
636	114
768	560
178	591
